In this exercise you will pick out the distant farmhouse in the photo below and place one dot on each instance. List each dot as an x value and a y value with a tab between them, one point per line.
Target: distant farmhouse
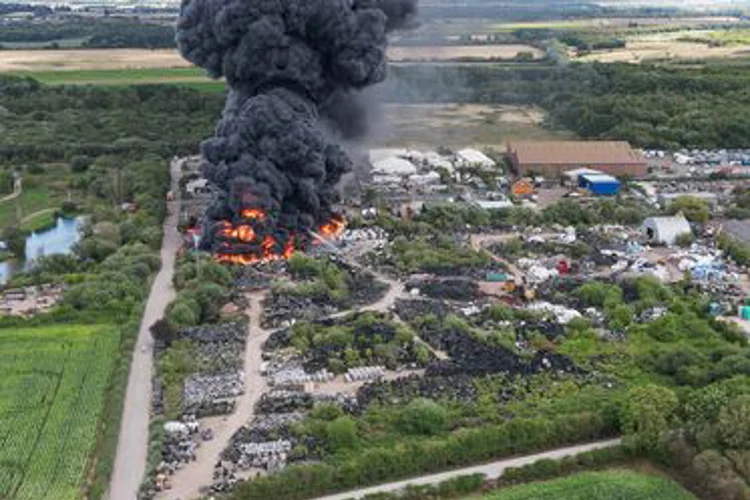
553	158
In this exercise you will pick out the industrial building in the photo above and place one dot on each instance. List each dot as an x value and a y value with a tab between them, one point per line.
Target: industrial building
737	229
553	158
665	230
599	184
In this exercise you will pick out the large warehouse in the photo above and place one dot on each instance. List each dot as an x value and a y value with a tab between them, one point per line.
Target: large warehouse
553	158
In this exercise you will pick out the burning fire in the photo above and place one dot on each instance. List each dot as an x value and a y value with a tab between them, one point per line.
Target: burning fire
333	228
253	213
267	247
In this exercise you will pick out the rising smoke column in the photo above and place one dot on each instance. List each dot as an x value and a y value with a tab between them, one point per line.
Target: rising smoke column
290	66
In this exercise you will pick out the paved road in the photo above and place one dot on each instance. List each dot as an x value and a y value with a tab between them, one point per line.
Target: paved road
491	471
130	462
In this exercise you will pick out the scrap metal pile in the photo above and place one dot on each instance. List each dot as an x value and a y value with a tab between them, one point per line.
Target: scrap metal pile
448	289
220	379
283	308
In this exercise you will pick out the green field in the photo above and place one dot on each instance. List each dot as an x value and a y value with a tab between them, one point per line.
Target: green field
187	77
63	43
52	391
40	221
731	37
609	485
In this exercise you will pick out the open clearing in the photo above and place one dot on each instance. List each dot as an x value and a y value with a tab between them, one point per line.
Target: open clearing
88	59
673	45
617	22
443	53
51	396
429	125
619	484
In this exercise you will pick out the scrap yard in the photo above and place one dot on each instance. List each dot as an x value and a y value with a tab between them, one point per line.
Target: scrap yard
442	269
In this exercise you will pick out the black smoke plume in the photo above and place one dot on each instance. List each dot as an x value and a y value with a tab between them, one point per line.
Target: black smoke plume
293	69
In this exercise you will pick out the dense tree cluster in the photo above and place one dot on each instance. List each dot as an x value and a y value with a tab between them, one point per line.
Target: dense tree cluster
650	106
43	123
93	33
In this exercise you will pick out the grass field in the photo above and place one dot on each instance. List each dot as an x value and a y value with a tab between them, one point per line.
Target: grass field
64	43
52	391
42	191
609	485
39	221
122	77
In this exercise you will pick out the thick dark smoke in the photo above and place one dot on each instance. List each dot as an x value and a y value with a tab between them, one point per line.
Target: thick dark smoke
293	68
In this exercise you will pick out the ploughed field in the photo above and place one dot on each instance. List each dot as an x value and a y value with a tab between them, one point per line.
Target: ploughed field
610	485
51	395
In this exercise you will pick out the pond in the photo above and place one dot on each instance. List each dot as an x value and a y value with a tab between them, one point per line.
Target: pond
56	240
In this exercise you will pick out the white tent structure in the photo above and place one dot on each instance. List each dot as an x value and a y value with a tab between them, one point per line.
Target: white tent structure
665	230
394	166
474	158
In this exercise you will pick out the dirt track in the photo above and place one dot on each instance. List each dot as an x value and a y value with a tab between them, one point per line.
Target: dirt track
130	461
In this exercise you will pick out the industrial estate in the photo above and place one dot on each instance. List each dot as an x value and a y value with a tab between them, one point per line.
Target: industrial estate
374	249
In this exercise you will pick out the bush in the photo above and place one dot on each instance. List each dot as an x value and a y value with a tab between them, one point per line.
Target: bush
182	314
80	163
423	416
684	240
408	458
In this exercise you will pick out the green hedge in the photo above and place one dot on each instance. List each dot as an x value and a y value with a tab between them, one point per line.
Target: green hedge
464	447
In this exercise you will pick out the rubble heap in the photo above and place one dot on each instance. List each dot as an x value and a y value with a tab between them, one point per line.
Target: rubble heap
206	395
447	289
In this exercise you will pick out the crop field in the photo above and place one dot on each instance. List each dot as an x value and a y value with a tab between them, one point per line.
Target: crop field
615	22
53	383
615	484
88	59
83	61
447	52
667	46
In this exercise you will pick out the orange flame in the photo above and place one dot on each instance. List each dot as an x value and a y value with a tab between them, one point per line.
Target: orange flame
333	227
253	213
270	248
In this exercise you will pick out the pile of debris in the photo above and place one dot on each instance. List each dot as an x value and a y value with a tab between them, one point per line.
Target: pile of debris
460	388
371	234
410	309
181	440
260	276
298	375
447	289
208	395
561	314
283	310
220	347
284	401
365	373
472	356
30	300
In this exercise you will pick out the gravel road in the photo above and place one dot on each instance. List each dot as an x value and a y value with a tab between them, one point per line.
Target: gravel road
130	462
491	471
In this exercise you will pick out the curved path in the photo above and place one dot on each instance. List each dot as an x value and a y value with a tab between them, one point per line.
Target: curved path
17	190
132	446
491	471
